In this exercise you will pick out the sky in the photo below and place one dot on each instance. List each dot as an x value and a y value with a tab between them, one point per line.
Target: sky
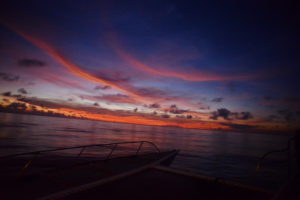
191	64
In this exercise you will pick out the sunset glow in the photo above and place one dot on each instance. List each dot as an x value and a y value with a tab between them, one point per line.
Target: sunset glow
161	66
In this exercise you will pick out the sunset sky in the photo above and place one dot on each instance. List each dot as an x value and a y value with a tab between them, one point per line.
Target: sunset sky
192	64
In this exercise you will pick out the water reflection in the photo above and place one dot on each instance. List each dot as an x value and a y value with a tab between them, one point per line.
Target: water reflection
219	154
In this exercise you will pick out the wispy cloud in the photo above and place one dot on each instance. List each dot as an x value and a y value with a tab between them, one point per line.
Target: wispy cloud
192	75
58	79
69	65
116	98
8	77
98	87
113	77
217	100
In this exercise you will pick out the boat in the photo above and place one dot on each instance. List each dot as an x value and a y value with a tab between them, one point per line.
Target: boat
140	174
32	175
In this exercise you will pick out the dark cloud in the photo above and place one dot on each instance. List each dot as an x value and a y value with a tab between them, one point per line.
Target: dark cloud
54	104
228	115
244	116
204	108
99	87
22	91
173	106
184	116
28	62
154	105
288	115
150	92
222	112
217	100
17	106
165	116
6	94
189	116
117	98
115	77
8	77
9	94
175	110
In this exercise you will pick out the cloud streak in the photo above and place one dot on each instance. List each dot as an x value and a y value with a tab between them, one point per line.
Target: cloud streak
8	77
117	98
217	100
70	66
194	76
57	79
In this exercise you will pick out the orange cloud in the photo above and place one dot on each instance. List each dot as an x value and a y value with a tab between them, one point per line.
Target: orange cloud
12	104
71	67
109	117
116	98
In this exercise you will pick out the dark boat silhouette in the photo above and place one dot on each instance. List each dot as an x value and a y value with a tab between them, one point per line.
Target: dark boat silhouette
136	174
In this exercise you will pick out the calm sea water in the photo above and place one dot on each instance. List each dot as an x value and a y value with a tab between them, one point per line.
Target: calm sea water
228	155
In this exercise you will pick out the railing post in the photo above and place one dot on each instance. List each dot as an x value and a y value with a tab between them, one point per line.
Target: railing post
297	152
289	164
110	153
82	149
27	165
140	146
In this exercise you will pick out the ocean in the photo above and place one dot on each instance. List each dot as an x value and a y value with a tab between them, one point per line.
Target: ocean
226	155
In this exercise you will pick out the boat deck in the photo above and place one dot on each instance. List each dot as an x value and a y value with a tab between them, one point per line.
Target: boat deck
156	184
46	176
43	178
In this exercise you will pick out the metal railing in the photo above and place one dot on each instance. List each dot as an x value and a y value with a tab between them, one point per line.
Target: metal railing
287	149
112	146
